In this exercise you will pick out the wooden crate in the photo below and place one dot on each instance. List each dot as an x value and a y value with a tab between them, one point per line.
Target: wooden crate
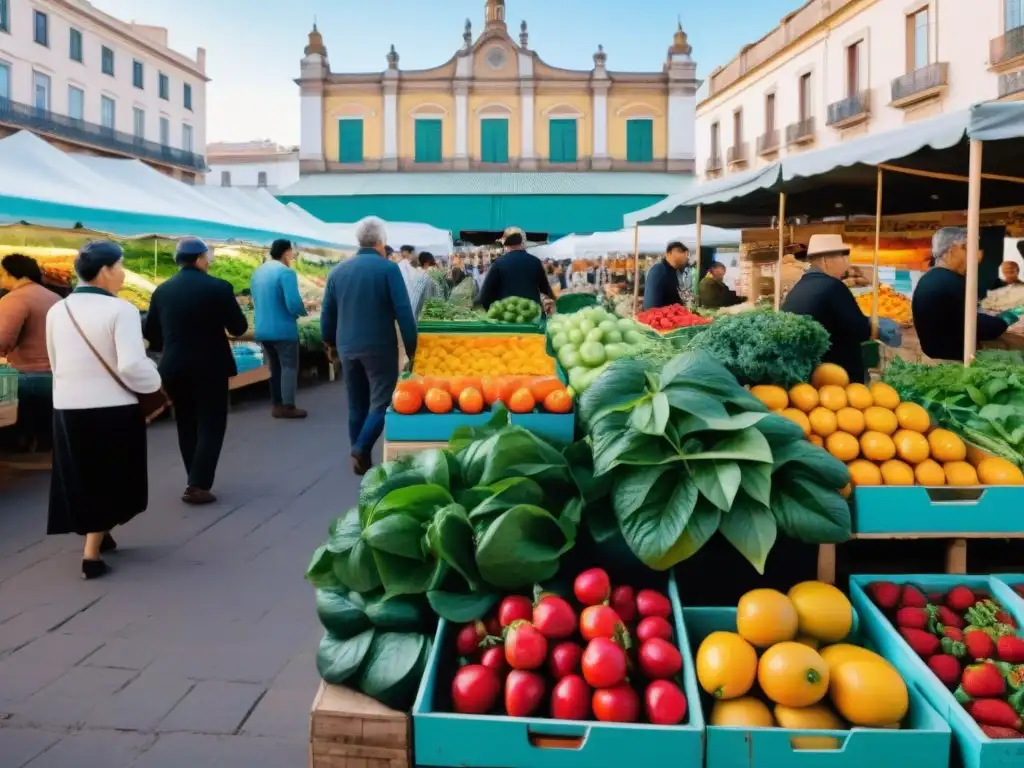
394	449
350	730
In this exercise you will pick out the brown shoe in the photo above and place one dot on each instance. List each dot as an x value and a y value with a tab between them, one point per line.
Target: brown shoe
288	412
197	497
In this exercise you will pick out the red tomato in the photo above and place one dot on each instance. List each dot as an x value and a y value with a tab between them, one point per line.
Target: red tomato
554	617
494	659
659	659
592	587
623	602
570	699
524	691
514	608
651	603
565	660
599	621
665	703
603	663
525	646
474	690
467	642
616	705
653	626
493	626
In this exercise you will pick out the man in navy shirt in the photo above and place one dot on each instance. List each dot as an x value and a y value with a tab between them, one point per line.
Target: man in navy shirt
517	273
662	286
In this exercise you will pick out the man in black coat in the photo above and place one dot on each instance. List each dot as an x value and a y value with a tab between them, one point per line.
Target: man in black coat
517	273
189	318
661	285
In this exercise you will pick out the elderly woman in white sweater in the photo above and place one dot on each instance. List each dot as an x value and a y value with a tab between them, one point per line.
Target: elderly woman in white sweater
99	362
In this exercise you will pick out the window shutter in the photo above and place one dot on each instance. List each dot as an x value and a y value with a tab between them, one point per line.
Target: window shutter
494	140
350	141
428	141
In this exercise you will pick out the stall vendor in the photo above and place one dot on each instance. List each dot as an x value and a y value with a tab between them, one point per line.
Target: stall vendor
714	293
517	273
661	285
821	295
1009	272
939	301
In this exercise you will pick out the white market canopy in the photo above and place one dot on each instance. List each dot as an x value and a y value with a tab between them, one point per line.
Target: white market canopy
651	240
422	237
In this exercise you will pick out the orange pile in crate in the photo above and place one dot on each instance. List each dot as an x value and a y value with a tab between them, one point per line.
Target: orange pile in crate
460	354
882	441
472	394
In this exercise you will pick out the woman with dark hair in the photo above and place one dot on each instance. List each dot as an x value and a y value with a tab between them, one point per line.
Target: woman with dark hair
100	367
23	342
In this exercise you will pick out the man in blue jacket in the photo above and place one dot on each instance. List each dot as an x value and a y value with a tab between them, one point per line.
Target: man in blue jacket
364	299
278	306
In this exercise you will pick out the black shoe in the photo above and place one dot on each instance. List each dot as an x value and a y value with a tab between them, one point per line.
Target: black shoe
197	497
93	569
108	544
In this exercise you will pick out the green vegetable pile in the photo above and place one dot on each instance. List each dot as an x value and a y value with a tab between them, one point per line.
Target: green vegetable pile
440	277
982	402
588	340
514	310
493	513
462	294
441	310
765	347
310	338
686	452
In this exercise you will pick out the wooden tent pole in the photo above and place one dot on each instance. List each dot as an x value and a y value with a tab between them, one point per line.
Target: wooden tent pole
636	268
874	261
948	176
699	238
973	244
782	250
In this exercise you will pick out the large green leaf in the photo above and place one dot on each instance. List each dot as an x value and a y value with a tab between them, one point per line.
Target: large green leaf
450	537
404	576
353	563
801	455
653	509
338	660
809	512
433	467
521	548
626	445
462	437
320	571
630	488
340	613
580	457
780	431
756	482
701	369
651	416
601	522
688	425
393	667
345	533
622	383
514	452
717	480
407	613
744	445
505	494
695	402
750	527
702	526
419	502
396	533
461	608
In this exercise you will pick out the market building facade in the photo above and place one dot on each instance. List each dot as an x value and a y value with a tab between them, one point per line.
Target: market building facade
497	112
835	70
261	164
88	82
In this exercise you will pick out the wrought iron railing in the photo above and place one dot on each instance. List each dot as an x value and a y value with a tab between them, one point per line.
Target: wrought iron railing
1008	45
800	130
920	80
853	106
768	142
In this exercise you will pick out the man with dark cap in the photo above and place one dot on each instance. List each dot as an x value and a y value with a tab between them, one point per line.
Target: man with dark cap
188	317
517	273
278	306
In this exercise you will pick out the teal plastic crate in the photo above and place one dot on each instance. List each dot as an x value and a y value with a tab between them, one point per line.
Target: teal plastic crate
942	510
976	750
558	428
925	742
1015	581
446	740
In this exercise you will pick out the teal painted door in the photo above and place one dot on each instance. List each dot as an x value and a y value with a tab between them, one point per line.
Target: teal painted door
562	141
350	141
639	141
428	141
494	140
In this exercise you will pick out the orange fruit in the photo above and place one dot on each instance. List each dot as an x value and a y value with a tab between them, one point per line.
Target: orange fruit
997	471
558	401
877	446
911	447
508	386
438	400
833	397
544	386
521	401
830	373
816	440
850	420
489	386
913	417
884	395
960	473
793	674
929	472
774	398
946	446
823	421
804	397
863	472
878	419
859	397
410	384
765	617
726	665
798	417
896	472
459	383
843	446
869	693
407	400
744	712
470	400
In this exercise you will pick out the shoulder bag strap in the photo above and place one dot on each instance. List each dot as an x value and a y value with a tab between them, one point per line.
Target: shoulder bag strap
95	352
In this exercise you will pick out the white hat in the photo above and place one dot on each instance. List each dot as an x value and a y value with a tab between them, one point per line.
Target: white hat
827	245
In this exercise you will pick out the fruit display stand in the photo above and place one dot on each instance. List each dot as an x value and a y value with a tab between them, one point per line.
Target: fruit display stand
248	378
976	750
924	740
350	730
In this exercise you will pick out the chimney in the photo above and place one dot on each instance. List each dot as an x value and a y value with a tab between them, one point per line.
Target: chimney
201	59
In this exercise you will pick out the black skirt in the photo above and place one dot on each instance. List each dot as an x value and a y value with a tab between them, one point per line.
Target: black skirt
100	470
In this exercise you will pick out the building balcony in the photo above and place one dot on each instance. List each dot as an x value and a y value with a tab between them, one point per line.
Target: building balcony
1011	83
849	111
1006	47
768	143
801	132
736	155
64	128
713	164
920	85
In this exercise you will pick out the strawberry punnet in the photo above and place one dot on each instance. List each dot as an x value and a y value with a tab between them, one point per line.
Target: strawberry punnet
912	597
885	594
1010	648
960	598
983	681
979	644
994	712
997	732
912	618
946	668
923	643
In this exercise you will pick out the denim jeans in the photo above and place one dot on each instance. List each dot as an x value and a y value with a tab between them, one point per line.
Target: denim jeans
35	408
369	380
283	358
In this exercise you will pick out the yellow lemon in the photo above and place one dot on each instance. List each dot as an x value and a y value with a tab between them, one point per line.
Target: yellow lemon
884	395
868	693
859	397
823	421
774	398
829	373
878	419
911	446
816	440
793	674
877	446
765	617
799	417
929	472
825	612
804	397
863	472
946	446
726	665
832	396
960	473
998	471
840	653
896	472
913	417
817	717
843	446
850	420
744	712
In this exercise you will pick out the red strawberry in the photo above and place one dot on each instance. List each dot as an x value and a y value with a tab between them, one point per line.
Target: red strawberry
940	615
996	732
922	643
979	644
952	633
959	599
982	681
885	594
936	598
994	712
912	618
946	668
1005	618
1010	648
912	597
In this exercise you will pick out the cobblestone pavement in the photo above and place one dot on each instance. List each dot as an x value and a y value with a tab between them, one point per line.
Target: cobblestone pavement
198	650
